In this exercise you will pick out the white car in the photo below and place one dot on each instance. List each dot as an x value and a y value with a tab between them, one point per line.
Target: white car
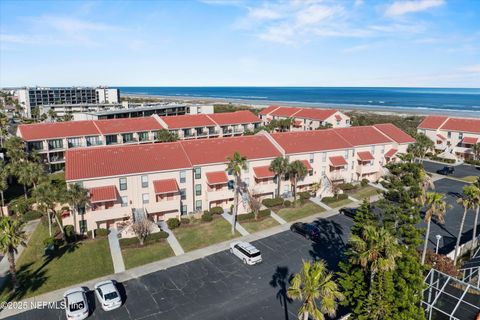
246	252
76	305
108	296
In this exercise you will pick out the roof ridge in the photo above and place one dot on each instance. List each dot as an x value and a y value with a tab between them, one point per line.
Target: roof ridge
339	135
95	124
208	116
185	152
445	121
388	137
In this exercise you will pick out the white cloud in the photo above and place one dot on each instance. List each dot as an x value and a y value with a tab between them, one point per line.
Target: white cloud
402	7
314	14
471	69
264	13
71	24
278	33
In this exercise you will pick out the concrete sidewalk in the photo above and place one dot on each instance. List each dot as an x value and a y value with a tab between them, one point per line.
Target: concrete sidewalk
172	240
238	227
29	227
115	251
177	260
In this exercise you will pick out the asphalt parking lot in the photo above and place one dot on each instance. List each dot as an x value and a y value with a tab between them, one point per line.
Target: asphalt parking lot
220	286
462	170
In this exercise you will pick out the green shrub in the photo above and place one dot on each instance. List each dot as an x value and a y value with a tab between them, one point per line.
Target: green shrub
328	200
101	232
69	231
347	186
264	213
272	202
156	236
304	195
207	217
184	221
129	241
287	203
246	216
364	182
32	215
52	241
173	223
474	162
451	161
216	210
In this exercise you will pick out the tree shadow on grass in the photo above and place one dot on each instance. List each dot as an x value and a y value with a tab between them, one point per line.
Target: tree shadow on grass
28	280
281	280
330	245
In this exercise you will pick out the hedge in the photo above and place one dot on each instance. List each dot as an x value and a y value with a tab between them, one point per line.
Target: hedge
151	238
69	231
250	216
451	161
272	202
216	210
328	200
32	215
173	223
101	232
346	186
364	182
184	221
207	217
304	195
474	162
287	203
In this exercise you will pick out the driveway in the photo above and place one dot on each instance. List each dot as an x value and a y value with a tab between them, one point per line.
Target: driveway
462	170
221	287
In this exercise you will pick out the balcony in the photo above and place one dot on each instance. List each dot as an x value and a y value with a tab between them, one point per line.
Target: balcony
164	205
220	194
261	188
109	214
367	168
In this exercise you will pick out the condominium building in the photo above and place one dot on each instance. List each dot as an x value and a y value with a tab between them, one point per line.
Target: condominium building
51	140
305	118
172	179
453	137
30	98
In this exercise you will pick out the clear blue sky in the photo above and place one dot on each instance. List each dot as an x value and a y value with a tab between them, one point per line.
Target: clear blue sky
247	43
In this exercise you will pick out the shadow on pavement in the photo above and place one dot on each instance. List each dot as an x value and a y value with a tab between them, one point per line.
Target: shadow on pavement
281	280
330	246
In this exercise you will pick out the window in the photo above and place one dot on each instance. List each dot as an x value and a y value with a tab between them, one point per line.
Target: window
198	205
35	145
311	157
93	141
324	156
183	209
123	183
338	122
353	152
55	144
74	142
183	194
323	171
198	189
145	198
347	122
373	149
143	136
83	226
353	164
449	134
111	139
124	201
183	176
198	173
186	132
346	154
127	137
460	135
144	181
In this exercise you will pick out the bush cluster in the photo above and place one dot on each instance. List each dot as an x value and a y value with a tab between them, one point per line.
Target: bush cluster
250	216
287	203
32	215
207	217
69	232
184	221
364	182
151	238
216	210
474	162
101	232
347	186
272	202
304	195
52	241
451	161
328	200
173	223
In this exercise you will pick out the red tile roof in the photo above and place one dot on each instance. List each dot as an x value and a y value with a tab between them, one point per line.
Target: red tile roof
338	161
362	136
338	117
307	165
87	163
315	114
298	123
432	122
462	124
188	121
165	186
237	117
217	150
390	153
308	141
365	156
140	124
469	140
268	109
103	194
263	172
217	177
394	133
55	130
285	112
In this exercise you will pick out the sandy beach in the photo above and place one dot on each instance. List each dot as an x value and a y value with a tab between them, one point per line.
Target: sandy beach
260	104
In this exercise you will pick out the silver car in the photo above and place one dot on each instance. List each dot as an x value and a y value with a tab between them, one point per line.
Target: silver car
76	305
108	296
246	252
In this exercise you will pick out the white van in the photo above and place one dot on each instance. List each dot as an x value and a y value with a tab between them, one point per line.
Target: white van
246	252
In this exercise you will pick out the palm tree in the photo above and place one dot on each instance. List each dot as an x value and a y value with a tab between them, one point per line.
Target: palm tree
11	237
15	149
425	183
235	165
475	193
3	184
279	166
436	207
314	283
44	197
466	201
77	197
476	151
375	249
297	171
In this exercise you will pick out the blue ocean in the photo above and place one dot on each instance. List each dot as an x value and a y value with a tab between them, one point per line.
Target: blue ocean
441	100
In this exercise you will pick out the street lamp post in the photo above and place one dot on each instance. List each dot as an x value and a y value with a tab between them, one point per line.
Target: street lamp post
438	242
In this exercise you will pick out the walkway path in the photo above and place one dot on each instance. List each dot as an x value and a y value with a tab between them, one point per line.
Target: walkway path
377	185
115	251
353	199
29	227
317	200
238	227
277	218
172	240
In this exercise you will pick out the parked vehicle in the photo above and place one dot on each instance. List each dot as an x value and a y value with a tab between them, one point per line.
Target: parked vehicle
76	305
348	212
446	170
108	295
308	230
246	252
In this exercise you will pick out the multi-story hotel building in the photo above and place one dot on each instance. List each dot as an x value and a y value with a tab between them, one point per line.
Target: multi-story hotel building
453	137
30	98
51	140
170	179
305	119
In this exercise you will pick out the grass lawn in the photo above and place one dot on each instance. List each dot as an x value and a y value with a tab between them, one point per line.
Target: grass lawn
339	203
70	264
469	178
254	226
136	256
365	192
295	213
199	235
